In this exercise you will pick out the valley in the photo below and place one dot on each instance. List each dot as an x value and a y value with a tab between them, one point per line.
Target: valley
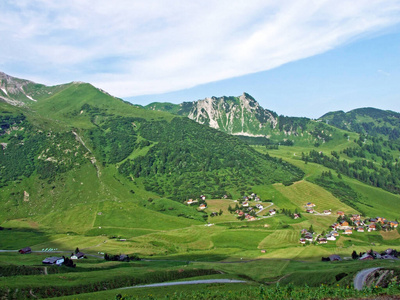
80	168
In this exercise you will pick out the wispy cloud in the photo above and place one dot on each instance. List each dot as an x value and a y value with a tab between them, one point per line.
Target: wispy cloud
137	47
383	72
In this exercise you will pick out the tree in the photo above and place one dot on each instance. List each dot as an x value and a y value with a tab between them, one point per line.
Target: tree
220	212
311	229
354	255
77	250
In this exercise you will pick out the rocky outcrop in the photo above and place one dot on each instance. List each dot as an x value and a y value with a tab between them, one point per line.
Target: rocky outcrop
235	115
12	90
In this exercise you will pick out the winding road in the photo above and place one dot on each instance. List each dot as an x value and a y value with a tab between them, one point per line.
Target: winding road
186	282
361	276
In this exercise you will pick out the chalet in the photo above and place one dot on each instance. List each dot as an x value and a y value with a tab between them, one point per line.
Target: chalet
214	214
309	237
245	198
310	211
330	237
357	222
380	220
25	250
272	212
388	256
340	213
303	240
257	199
303	231
202	206
355	217
371	227
245	204
202	197
393	224
296	216
335	226
373	220
389	251
53	261
360	229
374	254
190	201
344	225
334	257
327	212
250	218
348	231
322	241
263	251
335	233
78	255
259	206
240	213
250	208
310	204
366	256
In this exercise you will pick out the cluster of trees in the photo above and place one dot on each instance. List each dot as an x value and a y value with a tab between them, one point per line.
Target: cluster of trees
339	189
385	122
292	124
289	213
28	151
322	132
385	176
186	160
114	139
120	257
68	262
8	120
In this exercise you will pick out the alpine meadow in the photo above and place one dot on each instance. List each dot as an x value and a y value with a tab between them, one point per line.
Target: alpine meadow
98	194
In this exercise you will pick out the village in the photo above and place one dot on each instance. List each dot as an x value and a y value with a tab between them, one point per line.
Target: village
346	224
242	209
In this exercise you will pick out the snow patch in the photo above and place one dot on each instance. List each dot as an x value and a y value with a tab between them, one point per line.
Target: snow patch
29	97
4	90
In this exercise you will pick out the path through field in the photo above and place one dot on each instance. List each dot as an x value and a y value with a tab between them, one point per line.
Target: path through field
186	282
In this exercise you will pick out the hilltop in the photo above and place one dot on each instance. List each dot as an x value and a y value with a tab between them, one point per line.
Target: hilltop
370	121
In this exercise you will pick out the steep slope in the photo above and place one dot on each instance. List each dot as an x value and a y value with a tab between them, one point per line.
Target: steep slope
371	121
76	156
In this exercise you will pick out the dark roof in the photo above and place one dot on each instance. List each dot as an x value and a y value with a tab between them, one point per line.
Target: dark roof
25	250
51	260
334	257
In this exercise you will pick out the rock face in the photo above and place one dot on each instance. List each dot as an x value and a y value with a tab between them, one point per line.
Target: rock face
234	115
12	90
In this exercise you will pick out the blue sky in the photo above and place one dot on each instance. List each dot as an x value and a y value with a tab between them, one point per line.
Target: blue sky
365	73
296	57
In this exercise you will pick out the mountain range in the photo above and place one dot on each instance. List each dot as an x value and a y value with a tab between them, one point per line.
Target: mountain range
244	116
74	146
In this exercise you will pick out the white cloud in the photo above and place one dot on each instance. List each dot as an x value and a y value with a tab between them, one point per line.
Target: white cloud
136	47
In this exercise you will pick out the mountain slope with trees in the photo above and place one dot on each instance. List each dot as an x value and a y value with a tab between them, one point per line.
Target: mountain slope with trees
368	121
76	129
